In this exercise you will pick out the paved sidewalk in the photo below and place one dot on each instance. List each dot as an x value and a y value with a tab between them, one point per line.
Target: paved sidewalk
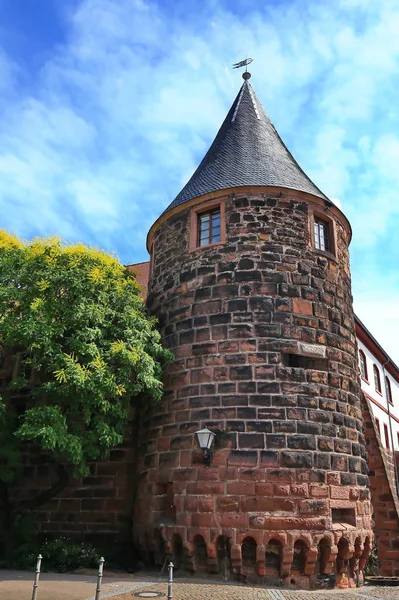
195	590
17	585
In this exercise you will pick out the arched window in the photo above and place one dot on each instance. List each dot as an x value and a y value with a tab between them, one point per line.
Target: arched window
389	390
363	365
377	379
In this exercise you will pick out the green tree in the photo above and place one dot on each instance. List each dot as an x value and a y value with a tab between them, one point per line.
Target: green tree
76	350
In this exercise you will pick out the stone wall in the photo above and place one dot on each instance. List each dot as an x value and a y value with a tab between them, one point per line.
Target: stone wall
96	508
289	473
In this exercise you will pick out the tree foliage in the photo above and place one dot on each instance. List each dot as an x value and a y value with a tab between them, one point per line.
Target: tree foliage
76	347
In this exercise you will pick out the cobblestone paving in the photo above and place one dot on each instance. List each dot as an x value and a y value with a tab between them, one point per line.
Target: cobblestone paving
200	590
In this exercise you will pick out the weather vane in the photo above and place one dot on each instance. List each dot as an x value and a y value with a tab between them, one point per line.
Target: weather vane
244	63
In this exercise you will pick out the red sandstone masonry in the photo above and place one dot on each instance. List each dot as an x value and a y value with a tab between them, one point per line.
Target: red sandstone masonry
230	314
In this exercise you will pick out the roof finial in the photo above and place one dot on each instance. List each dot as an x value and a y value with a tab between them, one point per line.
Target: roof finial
244	63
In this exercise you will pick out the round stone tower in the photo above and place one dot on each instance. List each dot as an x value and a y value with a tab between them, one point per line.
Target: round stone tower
251	285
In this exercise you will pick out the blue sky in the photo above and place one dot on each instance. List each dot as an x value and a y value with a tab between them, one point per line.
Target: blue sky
107	106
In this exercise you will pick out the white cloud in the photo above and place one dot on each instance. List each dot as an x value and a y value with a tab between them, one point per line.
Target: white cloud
116	120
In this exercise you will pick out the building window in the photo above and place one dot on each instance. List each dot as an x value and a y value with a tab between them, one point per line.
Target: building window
207	224
389	390
386	436
209	227
321	235
377	422
363	365
377	380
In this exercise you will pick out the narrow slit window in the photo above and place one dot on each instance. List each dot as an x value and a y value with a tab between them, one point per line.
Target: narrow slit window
298	361
151	259
321	235
377	422
209	227
344	515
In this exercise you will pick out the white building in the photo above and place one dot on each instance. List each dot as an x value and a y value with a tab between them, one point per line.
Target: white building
380	384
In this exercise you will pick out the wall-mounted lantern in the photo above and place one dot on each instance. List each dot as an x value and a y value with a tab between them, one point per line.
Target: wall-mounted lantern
205	440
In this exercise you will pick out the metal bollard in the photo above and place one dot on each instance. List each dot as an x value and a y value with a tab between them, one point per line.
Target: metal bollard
36	584
170	582
99	578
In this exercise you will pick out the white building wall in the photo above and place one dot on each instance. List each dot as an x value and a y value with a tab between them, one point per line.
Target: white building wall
379	401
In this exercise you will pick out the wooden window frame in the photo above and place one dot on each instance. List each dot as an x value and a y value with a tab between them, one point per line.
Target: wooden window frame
195	213
377	380
331	234
388	389
362	356
211	215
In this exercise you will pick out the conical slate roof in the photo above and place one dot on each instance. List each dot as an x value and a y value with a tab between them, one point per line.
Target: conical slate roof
247	150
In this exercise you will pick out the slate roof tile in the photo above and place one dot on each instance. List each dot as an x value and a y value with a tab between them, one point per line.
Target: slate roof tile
247	150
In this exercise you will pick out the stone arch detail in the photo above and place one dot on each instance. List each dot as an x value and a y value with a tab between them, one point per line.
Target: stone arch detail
299	561
257	536
212	554
328	536
345	553
281	537
273	557
158	547
354	573
200	553
365	554
224	557
249	554
325	557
